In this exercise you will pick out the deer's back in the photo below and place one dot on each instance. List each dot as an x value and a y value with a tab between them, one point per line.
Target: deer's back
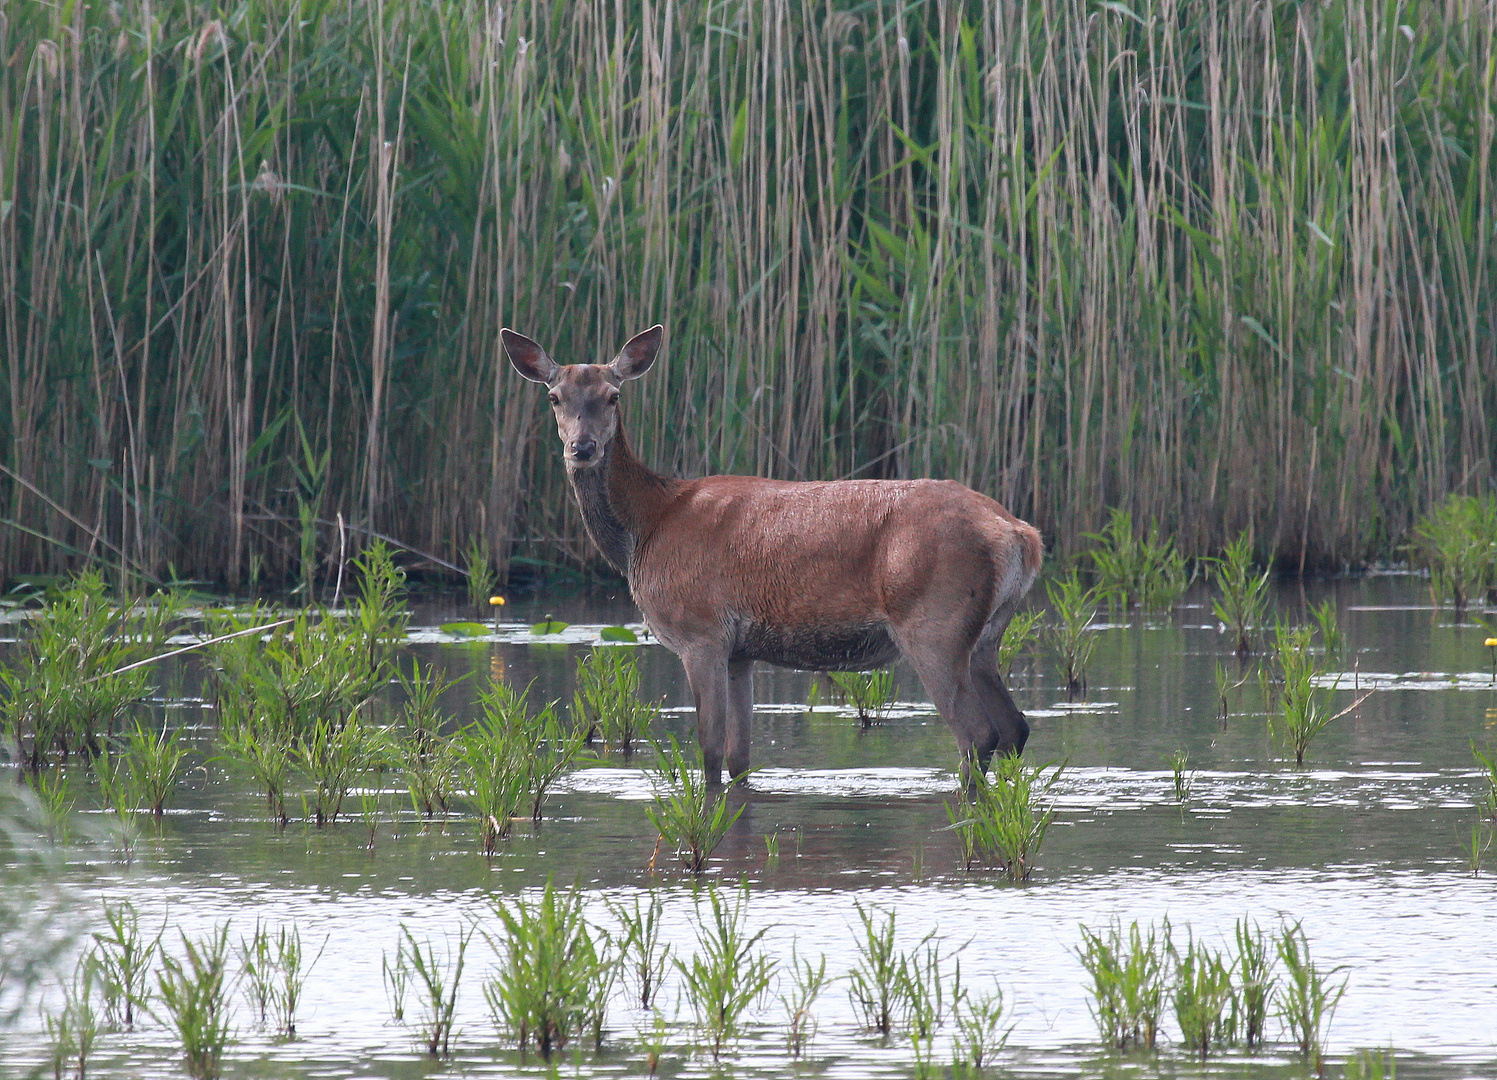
811	574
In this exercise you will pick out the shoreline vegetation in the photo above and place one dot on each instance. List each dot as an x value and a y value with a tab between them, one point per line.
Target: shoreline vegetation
1226	269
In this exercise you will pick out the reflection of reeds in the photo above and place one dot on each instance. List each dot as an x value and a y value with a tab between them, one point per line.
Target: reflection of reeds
1073	257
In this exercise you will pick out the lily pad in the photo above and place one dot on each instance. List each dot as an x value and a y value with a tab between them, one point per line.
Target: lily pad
466	629
550	626
618	633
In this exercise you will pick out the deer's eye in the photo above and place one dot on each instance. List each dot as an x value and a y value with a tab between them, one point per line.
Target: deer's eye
613	398
554	398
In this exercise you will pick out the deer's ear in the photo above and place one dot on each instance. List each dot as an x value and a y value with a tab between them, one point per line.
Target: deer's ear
528	358
635	358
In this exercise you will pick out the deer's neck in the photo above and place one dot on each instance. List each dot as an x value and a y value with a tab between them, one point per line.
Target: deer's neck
620	499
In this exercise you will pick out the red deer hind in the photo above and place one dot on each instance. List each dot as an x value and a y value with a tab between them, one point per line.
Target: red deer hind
821	576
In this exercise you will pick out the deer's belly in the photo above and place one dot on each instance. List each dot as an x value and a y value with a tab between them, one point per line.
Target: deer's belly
817	648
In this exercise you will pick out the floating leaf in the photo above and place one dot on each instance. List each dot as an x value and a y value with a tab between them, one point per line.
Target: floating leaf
550	626
466	629
618	633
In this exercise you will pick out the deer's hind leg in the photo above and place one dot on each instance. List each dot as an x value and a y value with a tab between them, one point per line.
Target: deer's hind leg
1010	729
941	654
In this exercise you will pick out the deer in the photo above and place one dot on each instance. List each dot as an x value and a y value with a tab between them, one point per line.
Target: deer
833	575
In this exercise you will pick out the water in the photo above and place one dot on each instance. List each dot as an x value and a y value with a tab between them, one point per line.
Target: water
1362	847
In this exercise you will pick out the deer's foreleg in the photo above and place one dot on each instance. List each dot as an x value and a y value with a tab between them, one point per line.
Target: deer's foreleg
740	717
708	675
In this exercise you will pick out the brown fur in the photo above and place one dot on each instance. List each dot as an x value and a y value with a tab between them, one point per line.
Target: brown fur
830	575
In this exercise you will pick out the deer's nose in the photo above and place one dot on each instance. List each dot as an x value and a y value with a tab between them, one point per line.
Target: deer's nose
584	449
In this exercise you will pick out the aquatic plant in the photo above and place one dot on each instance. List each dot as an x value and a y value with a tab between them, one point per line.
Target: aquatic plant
54	793
1371	1065
1303	712
71	682
1145	570
1457	542
334	755
291	698
478	571
512	758
878	983
1253	984
607	702
927	990
1310	997
979	1036
428	761
1181	778
807	983
555	971
1021	633
1201	992
1242	594
1128	982
121	958
1074	606
1002	819
1326	622
264	746
870	693
154	760
193	992
726	975
436	979
690	816
273	971
396	977
642	953
74	1029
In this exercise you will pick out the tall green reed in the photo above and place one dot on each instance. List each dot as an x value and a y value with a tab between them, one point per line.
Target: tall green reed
1022	247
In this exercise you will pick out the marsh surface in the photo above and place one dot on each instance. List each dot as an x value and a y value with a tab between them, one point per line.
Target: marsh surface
1363	846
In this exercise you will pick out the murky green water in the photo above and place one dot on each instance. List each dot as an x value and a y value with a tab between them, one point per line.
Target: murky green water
1363	846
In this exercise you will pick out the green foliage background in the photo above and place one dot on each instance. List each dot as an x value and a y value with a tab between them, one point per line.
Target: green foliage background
1225	266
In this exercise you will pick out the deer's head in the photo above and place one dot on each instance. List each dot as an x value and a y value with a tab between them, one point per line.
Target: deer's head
584	397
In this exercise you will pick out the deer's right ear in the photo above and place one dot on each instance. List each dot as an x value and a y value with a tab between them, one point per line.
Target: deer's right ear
528	358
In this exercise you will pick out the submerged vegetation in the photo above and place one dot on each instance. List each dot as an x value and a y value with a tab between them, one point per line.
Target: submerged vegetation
251	290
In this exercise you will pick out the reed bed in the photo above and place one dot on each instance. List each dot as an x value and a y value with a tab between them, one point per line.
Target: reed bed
254	260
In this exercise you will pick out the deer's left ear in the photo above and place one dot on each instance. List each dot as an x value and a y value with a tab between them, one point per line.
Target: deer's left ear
635	358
